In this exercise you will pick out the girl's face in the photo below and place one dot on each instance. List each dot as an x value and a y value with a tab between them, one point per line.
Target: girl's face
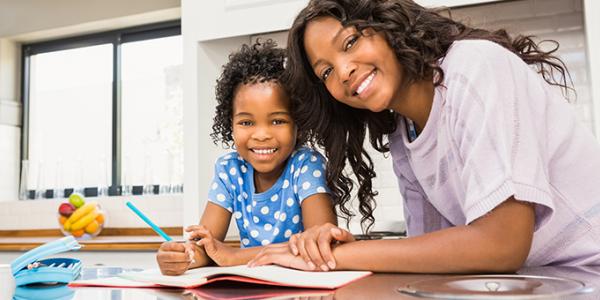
263	130
361	71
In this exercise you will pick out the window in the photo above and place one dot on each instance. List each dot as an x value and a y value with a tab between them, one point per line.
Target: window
103	114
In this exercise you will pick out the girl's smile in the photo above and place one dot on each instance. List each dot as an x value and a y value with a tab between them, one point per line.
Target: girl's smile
263	153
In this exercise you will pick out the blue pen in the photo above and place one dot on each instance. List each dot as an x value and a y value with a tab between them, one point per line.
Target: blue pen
150	223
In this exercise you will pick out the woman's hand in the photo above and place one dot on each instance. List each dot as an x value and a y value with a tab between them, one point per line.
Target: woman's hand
221	254
279	254
314	245
175	258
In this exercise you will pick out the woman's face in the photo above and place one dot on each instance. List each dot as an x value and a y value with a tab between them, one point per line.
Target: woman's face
361	71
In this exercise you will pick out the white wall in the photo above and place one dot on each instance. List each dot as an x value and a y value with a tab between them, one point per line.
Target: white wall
25	17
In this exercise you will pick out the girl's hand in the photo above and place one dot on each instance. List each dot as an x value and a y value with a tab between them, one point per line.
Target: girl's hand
279	254
175	258
314	245
220	253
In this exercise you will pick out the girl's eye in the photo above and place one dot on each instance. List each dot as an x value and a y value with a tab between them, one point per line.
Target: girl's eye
325	73
350	42
279	121
245	123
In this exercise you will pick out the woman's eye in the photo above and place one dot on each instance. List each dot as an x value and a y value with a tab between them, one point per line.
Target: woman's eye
350	42
245	123
325	73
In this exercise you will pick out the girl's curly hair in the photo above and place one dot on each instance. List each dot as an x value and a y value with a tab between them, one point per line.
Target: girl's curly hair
420	37
260	62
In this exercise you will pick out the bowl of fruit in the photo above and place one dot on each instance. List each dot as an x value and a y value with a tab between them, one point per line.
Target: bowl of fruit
79	218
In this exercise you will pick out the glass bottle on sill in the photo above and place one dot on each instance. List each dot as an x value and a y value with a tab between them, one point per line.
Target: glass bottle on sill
23	183
39	187
104	178
59	191
126	179
149	187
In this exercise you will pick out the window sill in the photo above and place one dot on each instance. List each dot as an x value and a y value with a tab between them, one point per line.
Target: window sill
111	239
165	210
101	243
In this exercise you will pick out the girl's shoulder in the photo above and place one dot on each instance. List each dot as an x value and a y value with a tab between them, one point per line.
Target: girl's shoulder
305	153
229	159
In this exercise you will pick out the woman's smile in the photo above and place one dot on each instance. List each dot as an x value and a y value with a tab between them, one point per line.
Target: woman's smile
364	86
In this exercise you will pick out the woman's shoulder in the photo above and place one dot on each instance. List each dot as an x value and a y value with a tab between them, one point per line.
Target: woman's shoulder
475	55
475	48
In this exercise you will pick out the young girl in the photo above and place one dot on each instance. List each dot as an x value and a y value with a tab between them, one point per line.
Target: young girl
272	187
495	171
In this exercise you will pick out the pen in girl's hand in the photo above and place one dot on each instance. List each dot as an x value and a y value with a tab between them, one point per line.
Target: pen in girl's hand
147	220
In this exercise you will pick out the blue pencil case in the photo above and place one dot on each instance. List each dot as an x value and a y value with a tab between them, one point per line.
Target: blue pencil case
32	268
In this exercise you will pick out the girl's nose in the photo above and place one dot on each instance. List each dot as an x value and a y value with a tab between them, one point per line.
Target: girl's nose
261	134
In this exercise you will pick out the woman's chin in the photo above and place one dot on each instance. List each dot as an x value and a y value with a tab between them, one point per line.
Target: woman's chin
378	107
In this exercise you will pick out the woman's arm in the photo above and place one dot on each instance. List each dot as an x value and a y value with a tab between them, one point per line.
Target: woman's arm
317	213
497	242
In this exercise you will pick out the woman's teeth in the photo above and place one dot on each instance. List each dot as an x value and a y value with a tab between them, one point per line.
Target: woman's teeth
365	83
264	151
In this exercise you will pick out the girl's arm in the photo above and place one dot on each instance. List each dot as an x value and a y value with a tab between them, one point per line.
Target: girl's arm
316	210
497	242
215	219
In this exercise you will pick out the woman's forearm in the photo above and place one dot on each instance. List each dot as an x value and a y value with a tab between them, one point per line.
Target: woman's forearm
497	242
453	250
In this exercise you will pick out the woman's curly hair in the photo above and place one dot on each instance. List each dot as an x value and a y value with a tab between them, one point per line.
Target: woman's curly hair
260	62
420	37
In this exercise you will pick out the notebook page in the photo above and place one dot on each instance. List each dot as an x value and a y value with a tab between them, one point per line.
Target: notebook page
283	276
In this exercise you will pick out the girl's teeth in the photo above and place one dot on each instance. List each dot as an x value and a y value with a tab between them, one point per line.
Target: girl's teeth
264	151
365	83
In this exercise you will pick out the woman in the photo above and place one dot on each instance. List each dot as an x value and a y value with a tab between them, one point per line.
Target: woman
494	169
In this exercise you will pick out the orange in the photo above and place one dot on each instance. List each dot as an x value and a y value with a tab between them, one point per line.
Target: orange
92	227
78	233
100	218
62	219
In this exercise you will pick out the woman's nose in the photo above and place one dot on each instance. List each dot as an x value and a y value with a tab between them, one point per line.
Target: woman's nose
346	71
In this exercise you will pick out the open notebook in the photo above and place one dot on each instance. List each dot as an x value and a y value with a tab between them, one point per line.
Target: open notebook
266	275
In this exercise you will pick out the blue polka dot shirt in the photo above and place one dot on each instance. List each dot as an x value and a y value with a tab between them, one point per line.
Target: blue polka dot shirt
273	215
